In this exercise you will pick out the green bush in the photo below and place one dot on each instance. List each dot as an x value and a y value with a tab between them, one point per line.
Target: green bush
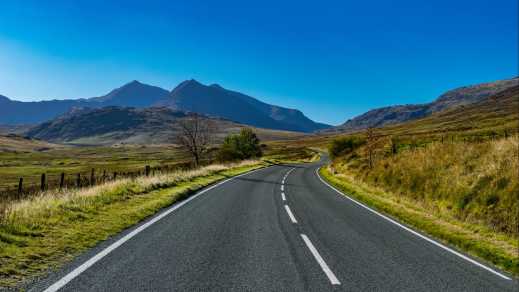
240	146
343	146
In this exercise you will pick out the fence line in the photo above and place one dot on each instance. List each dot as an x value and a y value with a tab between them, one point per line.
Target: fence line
75	180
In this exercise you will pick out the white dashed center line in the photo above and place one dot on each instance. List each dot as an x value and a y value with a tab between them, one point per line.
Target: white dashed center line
292	218
331	276
283	197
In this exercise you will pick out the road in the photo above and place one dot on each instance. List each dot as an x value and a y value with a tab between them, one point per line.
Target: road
276	229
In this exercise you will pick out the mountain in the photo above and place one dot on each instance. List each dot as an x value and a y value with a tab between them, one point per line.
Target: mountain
214	100
189	95
17	112
449	100
495	113
133	94
111	125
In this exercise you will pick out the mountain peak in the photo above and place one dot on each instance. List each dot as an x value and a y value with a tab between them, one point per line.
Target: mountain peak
133	84
213	100
4	98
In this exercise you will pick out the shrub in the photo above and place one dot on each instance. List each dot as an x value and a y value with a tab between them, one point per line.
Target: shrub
240	146
344	146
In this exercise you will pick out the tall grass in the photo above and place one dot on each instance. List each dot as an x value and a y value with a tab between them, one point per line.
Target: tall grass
48	229
473	182
45	204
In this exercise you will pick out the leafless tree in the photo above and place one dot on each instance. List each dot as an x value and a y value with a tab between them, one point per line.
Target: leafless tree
195	136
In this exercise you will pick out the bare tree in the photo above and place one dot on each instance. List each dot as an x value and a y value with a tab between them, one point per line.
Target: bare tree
195	136
371	144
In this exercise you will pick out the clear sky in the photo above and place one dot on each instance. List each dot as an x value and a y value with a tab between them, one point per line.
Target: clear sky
330	59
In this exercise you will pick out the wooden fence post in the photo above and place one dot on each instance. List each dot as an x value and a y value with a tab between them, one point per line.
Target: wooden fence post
42	182
62	181
92	178
20	186
78	182
115	175
147	170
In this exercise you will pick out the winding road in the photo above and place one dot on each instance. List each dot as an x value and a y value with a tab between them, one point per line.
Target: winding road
279	228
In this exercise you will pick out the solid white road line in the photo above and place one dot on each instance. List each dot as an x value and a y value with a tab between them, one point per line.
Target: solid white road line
283	196
331	276
292	218
414	232
77	271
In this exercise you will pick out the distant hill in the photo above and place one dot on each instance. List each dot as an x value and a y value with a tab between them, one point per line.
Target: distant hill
404	113
15	143
112	125
494	113
214	100
187	96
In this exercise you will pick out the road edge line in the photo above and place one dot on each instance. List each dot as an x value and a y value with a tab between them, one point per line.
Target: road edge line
97	257
446	248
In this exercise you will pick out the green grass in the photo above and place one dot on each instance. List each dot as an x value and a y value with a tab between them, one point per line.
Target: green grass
290	154
72	160
47	231
498	249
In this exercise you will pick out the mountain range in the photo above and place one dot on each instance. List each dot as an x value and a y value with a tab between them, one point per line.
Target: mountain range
189	95
140	113
455	98
114	125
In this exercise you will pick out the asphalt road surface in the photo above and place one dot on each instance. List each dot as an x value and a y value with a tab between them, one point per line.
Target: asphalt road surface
276	229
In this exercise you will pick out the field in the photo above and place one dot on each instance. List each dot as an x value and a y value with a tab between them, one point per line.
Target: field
53	160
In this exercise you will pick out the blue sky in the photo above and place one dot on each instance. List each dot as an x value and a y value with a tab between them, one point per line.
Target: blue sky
330	59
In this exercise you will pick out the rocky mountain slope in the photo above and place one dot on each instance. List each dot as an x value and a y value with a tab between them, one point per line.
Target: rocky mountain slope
112	125
402	113
214	100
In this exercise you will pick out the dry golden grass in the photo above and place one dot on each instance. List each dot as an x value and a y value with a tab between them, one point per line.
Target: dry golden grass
478	240
474	182
45	204
49	229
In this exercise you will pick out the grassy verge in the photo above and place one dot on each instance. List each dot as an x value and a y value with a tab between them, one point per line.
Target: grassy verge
478	240
288	154
46	231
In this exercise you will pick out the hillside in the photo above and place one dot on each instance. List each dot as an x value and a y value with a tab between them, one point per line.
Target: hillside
187	96
403	113
493	114
112	125
15	143
214	100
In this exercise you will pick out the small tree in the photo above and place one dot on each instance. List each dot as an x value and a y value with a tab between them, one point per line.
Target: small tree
195	136
344	146
244	145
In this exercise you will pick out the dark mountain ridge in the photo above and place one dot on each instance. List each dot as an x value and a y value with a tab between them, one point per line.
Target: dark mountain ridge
189	95
215	100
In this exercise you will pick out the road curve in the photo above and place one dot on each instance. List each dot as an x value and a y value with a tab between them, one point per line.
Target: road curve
277	229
